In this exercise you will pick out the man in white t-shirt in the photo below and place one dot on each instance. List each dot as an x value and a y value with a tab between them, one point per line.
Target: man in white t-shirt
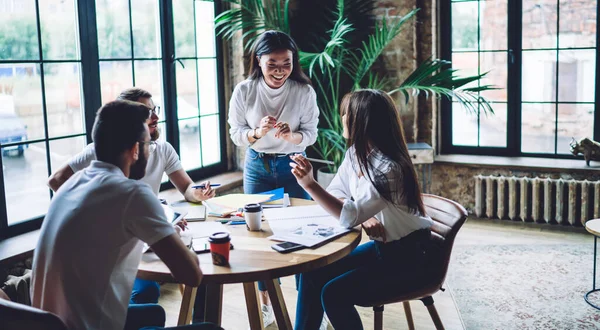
91	241
163	159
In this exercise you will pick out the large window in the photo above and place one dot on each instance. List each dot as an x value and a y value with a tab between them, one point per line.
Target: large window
542	56
57	67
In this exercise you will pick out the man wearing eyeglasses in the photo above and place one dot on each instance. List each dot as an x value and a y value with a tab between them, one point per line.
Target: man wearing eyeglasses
162	159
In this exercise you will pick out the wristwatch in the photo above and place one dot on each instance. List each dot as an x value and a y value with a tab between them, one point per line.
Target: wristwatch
254	134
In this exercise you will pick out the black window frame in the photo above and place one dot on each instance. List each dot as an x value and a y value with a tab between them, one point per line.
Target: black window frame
91	97
514	84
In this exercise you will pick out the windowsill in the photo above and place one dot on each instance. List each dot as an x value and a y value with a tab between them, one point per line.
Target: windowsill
529	163
21	246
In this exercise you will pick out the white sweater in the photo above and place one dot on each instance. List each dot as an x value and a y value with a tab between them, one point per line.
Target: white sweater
294	103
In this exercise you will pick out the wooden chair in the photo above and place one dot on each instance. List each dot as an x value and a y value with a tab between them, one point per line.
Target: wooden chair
448	216
18	316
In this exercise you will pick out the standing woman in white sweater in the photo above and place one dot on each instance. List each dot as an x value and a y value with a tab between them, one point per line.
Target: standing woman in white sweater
274	113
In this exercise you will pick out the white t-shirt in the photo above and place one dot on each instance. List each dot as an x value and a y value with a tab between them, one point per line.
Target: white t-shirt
163	160
294	103
362	200
89	249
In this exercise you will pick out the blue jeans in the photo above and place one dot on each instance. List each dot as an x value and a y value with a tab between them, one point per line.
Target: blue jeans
370	273
144	292
152	317
264	172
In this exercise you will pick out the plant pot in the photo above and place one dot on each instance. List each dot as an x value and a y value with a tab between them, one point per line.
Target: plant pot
324	177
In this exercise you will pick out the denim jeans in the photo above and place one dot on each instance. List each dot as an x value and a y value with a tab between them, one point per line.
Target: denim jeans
369	273
144	292
152	317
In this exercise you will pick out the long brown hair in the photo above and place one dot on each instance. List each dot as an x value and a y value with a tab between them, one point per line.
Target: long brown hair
271	41
373	122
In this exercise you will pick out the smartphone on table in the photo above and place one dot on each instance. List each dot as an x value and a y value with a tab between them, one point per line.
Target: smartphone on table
286	247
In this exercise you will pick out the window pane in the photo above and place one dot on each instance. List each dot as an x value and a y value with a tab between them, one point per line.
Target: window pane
205	27
183	21
464	25
63	99
493	127
539	24
493	25
576	75
148	75
537	128
61	151
539	76
464	126
496	64
189	144
207	76
211	146
146	28
115	76
114	39
574	121
187	92
467	64
21	96
577	23
25	174
18	32
60	40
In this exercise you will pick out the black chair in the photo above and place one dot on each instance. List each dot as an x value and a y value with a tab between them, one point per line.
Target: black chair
18	316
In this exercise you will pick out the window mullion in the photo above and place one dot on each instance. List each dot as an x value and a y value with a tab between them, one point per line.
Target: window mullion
597	87
515	35
446	54
169	81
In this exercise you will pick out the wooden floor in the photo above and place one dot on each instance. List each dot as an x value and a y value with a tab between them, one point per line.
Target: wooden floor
474	232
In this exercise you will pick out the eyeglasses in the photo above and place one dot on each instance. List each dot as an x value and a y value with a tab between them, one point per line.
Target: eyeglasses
155	110
151	145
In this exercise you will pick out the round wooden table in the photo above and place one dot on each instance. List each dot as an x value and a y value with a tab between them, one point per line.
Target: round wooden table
251	260
593	227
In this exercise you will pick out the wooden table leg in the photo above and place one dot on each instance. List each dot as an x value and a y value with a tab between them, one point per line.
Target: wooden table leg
253	306
281	314
187	305
213	303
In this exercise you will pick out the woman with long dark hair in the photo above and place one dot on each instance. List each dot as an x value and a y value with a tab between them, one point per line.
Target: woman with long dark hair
376	187
274	114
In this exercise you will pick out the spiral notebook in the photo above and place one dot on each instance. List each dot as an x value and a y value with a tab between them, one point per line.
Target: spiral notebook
307	225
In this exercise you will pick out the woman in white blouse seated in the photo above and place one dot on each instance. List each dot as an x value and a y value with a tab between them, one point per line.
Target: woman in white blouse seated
376	187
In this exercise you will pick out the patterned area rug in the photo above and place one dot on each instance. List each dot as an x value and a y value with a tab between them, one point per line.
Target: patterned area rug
524	286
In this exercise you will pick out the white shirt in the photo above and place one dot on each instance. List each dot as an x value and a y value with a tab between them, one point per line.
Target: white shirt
162	160
294	103
362	200
89	249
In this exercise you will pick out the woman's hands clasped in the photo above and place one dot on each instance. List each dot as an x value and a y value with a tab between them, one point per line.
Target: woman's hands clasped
267	123
303	171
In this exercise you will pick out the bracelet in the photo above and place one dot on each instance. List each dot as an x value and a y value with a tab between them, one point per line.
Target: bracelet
254	134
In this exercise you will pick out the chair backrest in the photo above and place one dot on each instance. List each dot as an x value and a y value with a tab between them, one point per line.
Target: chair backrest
448	217
18	316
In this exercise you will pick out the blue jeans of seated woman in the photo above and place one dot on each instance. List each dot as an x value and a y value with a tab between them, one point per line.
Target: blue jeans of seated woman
263	173
369	273
144	292
152	317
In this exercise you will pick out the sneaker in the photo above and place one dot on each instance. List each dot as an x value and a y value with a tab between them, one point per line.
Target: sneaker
324	323
268	315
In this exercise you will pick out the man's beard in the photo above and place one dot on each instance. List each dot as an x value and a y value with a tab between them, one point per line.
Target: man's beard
137	170
154	136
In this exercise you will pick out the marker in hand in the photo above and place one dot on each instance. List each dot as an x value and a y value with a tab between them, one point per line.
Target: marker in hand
212	185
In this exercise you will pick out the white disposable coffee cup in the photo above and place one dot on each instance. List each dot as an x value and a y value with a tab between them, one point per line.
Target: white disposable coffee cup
253	216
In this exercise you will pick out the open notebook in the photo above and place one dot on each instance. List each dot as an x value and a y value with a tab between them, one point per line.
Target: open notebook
307	225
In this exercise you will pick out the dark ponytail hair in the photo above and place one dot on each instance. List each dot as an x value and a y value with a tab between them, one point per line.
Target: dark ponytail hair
374	123
271	41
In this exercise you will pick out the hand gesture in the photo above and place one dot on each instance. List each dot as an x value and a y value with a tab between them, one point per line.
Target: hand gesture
180	226
266	124
283	131
302	170
374	228
204	193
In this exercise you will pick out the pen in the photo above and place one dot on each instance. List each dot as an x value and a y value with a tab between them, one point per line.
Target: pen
203	186
237	222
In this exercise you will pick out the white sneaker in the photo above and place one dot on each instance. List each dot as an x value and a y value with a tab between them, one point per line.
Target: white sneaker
324	323
268	315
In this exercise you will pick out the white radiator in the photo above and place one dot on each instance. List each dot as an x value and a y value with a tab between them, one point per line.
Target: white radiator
537	199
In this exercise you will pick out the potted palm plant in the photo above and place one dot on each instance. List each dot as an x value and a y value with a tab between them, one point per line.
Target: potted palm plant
341	65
